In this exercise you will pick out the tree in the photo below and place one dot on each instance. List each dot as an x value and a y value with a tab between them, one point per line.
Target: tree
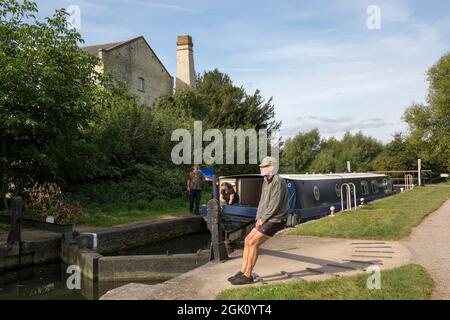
48	92
219	104
309	153
399	154
300	151
360	150
232	107
429	124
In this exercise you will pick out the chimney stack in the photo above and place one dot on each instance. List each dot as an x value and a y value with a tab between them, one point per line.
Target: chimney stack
185	62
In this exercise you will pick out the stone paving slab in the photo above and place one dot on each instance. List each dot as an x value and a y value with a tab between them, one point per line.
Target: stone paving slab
282	258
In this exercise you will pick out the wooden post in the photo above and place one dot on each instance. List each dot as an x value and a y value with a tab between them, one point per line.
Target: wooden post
16	220
214	219
15	233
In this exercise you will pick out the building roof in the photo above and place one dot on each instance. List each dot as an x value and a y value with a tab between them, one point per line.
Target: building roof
93	50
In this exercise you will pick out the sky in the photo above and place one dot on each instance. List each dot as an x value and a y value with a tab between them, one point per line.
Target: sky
319	60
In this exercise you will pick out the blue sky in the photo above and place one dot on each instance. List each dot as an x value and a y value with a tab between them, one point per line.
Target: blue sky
319	61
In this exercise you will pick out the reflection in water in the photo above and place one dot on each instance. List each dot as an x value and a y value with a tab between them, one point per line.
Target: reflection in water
49	282
39	282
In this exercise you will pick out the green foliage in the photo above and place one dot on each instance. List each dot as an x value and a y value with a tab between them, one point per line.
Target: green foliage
139	182
399	154
307	152
300	151
219	104
231	107
47	92
429	124
388	219
410	282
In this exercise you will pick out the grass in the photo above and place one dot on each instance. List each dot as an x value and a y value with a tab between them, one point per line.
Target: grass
410	282
391	218
107	216
117	214
122	213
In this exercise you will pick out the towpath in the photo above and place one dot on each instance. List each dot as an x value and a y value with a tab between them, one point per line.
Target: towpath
283	258
430	247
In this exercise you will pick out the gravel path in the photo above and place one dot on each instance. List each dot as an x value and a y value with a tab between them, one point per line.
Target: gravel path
430	246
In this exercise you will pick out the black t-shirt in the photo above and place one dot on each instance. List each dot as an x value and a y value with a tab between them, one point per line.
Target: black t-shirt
227	194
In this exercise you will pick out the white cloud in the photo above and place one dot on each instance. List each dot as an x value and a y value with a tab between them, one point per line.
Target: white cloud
333	125
160	5
362	76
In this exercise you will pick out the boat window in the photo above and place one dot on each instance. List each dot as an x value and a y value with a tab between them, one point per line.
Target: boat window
375	188
385	185
337	188
365	188
249	190
316	192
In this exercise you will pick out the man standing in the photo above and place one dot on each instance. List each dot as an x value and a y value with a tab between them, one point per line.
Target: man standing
270	218
194	187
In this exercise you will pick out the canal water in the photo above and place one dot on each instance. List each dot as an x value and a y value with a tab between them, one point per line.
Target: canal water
49	282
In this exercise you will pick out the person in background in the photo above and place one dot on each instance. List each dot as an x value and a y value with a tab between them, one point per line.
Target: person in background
228	195
270	218
194	187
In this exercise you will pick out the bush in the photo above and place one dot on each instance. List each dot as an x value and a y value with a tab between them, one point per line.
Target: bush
47	199
141	185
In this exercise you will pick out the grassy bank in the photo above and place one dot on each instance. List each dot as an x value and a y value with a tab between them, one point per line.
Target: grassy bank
388	219
117	214
110	215
123	213
410	282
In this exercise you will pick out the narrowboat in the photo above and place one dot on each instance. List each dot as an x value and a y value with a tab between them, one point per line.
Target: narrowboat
309	195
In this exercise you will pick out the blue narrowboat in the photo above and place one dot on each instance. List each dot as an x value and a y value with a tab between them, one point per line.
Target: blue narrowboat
309	195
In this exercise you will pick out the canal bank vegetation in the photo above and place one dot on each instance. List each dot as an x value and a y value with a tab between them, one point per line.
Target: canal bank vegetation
109	215
410	282
391	218
87	135
107	152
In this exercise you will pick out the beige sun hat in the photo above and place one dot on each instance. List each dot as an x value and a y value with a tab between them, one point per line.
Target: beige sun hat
269	161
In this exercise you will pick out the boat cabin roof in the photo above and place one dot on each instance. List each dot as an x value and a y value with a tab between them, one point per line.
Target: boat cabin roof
315	176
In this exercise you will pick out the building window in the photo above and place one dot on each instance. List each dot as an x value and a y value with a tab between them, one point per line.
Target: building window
375	186
365	187
141	84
